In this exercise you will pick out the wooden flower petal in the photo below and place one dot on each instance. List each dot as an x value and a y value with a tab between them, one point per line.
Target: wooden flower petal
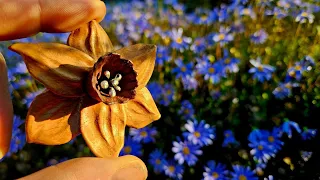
142	110
103	127
143	57
91	39
53	119
58	67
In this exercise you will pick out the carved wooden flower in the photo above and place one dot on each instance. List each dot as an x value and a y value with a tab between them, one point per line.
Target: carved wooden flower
91	89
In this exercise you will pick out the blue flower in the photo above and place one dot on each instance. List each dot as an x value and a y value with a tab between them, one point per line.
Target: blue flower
162	55
163	94
247	11
261	149
215	171
308	133
155	89
230	64
186	110
223	37
167	94
259	37
178	41
237	26
199	45
18	138
283	90
212	72
186	151
199	133
189	82
261	72
182	70
30	97
145	135
229	138
295	72
173	170
274	139
157	159
131	147
205	17
288	125
241	173
305	155
304	17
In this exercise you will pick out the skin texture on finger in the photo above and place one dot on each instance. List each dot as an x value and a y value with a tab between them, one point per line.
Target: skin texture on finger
22	18
6	110
125	167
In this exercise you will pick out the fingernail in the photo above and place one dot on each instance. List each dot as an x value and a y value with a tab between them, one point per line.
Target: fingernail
130	173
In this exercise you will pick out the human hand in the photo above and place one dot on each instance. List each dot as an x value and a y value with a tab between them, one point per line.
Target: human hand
56	16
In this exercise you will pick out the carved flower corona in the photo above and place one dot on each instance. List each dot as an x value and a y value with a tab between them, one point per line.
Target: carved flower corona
91	89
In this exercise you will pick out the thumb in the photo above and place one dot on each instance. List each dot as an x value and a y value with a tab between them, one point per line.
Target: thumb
6	110
125	167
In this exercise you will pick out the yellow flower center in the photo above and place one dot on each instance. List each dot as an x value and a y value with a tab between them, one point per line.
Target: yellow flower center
221	36
183	69
246	11
227	134
304	14
260	68
298	67
127	149
271	139
158	161
186	111
179	40
204	17
227	61
211	70
186	151
260	147
171	168
143	133
242	177
197	134
215	175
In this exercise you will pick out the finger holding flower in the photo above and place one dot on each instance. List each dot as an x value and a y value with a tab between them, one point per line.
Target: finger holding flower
91	89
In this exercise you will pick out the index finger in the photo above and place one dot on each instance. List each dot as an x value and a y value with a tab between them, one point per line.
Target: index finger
6	110
23	18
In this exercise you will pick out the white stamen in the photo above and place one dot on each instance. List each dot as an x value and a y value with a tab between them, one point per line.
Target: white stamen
107	74
117	88
104	84
112	92
114	82
118	77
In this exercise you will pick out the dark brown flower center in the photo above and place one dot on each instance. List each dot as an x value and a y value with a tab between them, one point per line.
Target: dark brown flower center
112	80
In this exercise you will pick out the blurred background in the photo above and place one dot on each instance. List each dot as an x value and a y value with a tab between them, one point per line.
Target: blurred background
237	83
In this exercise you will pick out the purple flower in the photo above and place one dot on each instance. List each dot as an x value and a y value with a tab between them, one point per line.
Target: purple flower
261	72
145	135
199	133
259	37
186	151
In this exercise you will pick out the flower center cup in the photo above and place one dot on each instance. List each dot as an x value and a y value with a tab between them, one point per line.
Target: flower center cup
112	80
